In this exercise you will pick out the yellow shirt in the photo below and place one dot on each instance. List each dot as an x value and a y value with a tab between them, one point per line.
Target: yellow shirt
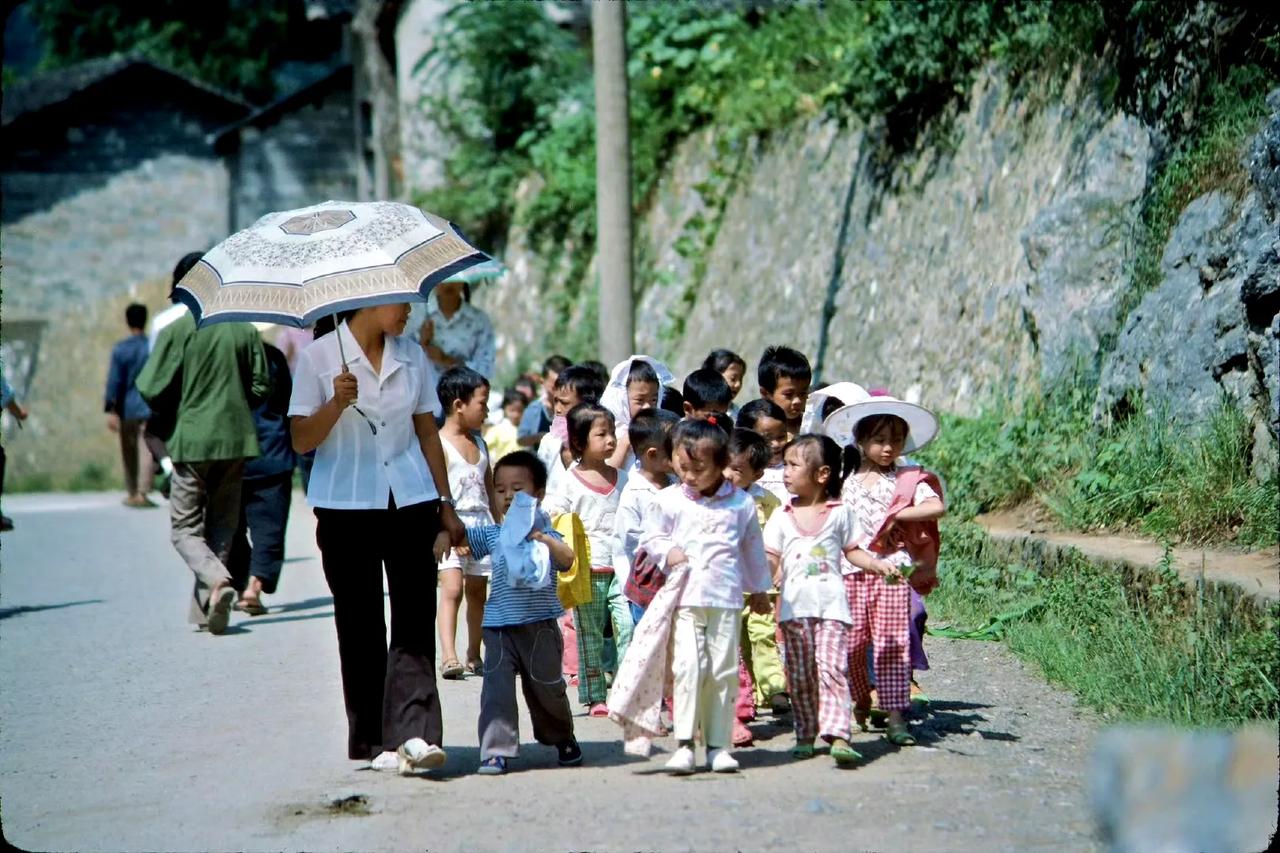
766	502
501	438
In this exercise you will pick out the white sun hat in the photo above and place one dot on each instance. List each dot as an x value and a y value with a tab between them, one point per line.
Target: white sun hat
845	392
922	424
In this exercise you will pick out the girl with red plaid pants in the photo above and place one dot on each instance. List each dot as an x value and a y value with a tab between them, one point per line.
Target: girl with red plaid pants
804	542
883	428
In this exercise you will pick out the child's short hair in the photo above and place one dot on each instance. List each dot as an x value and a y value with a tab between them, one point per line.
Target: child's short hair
651	428
752	443
580	420
822	450
705	387
671	400
721	360
641	371
555	364
829	407
689	433
514	395
598	368
870	424
782	363
752	413
583	381
457	385
528	461
135	316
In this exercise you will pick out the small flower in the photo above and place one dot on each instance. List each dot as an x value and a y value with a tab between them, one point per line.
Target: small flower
655	72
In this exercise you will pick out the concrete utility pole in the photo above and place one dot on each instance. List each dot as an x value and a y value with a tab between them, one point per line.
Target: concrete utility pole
613	179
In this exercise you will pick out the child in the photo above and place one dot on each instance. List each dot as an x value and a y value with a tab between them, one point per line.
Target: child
767	418
712	526
784	377
883	428
650	438
503	437
127	412
591	488
731	366
706	395
520	633
464	395
575	384
537	417
636	384
748	456
804	542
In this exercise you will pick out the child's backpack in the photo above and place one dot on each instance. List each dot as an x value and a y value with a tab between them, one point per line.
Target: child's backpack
574	586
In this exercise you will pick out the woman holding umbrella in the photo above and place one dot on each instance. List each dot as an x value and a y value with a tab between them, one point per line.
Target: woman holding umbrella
364	399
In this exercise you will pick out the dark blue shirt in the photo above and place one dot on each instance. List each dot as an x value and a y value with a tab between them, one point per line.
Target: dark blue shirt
534	420
122	397
272	422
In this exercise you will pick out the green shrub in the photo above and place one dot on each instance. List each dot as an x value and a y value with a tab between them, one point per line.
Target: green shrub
1137	646
92	477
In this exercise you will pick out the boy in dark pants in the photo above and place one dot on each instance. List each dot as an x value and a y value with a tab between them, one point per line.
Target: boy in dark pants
521	636
265	495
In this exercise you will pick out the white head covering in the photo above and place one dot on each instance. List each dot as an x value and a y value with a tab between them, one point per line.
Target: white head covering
614	397
846	392
922	424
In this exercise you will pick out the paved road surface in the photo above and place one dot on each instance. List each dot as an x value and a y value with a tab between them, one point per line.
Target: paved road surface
122	729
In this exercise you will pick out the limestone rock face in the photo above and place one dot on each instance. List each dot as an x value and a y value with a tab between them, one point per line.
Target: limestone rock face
1208	332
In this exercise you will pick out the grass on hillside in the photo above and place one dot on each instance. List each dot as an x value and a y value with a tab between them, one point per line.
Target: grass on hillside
1144	474
1132	648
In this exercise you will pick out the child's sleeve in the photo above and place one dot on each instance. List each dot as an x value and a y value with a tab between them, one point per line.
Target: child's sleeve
756	576
657	525
629	524
773	536
923	493
558	500
848	531
482	538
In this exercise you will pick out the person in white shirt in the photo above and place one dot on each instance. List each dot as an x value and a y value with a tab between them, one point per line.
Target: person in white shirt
706	522
805	541
650	439
365	401
591	488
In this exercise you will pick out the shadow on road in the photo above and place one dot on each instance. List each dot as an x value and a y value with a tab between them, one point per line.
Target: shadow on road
271	620
304	604
6	612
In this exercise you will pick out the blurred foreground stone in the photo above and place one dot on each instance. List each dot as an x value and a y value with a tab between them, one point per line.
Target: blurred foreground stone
1172	790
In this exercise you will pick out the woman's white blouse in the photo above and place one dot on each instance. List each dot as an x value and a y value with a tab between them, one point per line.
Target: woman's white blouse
355	469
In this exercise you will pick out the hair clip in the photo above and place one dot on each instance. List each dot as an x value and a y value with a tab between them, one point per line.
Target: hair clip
711	419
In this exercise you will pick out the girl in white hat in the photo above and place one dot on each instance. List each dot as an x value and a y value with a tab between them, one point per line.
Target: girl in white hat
897	509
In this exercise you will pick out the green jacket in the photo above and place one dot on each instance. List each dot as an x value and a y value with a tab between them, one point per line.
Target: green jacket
224	375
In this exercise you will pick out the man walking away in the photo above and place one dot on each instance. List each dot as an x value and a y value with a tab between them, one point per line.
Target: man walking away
127	412
221	373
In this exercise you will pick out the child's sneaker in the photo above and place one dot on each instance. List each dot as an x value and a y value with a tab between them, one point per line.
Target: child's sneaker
494	766
570	752
742	735
385	761
681	762
721	761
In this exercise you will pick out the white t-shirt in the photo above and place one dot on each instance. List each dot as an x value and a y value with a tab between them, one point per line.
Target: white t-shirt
771	480
597	510
811	562
467	481
354	468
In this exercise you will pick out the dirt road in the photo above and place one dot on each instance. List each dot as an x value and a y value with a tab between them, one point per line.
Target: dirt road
124	730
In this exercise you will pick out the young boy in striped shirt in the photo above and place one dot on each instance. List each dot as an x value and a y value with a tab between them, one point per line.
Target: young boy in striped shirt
521	634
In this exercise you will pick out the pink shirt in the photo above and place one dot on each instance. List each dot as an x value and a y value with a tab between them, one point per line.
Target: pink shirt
721	537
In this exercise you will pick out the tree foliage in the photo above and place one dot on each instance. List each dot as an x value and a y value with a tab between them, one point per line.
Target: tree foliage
231	44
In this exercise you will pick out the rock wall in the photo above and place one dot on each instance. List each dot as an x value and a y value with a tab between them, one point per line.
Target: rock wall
992	267
75	267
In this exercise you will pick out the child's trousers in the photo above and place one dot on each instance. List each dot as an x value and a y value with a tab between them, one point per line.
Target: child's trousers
817	657
606	603
760	651
705	669
881	615
533	652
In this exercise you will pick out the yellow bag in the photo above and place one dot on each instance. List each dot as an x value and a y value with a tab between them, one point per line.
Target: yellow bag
574	586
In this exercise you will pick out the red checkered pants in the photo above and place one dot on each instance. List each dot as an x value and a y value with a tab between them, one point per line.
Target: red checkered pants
817	653
881	616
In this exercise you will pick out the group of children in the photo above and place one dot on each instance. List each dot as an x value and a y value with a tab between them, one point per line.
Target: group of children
764	556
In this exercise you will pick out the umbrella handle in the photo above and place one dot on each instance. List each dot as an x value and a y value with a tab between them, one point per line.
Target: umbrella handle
341	352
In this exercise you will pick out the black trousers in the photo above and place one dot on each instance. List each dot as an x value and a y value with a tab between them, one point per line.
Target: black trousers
258	548
390	693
